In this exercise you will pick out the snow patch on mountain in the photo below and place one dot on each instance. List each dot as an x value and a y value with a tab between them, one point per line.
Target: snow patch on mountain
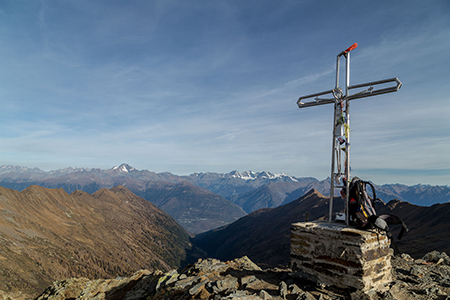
69	170
19	169
249	175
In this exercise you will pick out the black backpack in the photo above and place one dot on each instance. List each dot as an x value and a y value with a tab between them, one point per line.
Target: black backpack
361	208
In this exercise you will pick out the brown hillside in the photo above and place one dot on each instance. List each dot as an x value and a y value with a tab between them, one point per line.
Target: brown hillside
47	234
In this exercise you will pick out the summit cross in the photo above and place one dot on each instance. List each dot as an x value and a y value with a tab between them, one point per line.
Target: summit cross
340	166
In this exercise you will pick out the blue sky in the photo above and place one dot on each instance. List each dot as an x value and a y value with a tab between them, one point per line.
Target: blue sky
211	86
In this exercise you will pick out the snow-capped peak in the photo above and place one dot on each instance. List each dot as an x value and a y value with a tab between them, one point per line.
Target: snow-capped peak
124	168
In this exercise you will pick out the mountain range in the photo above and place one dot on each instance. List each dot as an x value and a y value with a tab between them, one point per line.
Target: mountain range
204	201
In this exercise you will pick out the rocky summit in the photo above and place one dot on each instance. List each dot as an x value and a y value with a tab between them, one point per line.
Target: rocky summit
426	278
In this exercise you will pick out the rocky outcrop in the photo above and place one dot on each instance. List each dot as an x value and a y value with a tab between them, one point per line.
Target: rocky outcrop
427	278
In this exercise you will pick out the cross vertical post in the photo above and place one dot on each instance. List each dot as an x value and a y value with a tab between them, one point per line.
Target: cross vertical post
340	162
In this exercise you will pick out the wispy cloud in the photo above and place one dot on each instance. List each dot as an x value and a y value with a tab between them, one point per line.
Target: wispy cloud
309	78
187	87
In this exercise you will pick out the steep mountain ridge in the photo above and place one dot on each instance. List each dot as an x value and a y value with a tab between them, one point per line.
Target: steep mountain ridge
47	234
264	235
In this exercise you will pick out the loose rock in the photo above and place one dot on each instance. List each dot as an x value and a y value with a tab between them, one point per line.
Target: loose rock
242	279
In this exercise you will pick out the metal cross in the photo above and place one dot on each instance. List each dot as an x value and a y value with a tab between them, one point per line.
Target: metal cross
340	166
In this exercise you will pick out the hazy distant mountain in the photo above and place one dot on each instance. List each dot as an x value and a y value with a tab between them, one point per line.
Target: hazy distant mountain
423	195
264	235
277	193
47	234
195	208
85	179
230	185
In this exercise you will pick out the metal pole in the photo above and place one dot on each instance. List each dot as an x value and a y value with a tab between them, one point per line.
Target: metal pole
338	60
333	150
333	144
347	72
347	131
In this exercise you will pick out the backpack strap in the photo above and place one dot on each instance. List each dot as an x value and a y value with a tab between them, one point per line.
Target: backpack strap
394	220
381	224
393	243
373	190
368	202
374	194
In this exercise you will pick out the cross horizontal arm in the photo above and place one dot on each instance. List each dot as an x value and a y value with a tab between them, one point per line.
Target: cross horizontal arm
317	101
370	91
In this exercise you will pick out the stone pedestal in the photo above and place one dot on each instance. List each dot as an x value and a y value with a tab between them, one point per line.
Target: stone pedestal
338	255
